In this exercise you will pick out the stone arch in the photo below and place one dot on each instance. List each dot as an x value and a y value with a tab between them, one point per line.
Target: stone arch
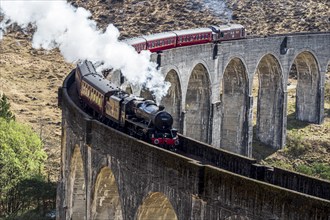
106	200
156	206
77	187
308	87
114	76
127	88
197	109
270	102
234	124
327	90
147	94
237	217
173	100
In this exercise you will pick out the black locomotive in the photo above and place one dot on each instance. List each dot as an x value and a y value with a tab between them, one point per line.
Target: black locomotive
141	118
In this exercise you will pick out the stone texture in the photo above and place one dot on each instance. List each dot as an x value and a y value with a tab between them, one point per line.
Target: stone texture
209	184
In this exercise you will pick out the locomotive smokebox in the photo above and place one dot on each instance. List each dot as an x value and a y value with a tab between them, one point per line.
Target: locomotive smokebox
163	120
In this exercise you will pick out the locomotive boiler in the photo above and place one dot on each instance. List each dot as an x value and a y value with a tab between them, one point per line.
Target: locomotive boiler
136	116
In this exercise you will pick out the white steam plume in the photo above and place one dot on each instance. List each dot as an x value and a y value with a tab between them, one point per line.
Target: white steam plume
219	8
59	24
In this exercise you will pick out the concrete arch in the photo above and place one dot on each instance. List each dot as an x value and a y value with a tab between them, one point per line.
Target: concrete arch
198	102
129	90
234	124
156	206
147	94
127	87
270	102
237	217
326	96
205	65
327	73
106	201
308	87
173	99
77	187
308	51
169	68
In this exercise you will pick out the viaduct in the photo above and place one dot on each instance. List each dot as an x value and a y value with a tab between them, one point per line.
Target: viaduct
108	175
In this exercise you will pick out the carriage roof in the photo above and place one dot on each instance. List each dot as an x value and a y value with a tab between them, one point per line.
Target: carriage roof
96	80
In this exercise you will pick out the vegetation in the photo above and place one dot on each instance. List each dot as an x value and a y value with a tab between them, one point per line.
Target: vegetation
320	169
4	109
308	145
23	187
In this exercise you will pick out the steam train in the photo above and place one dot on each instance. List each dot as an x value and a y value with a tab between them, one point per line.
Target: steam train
168	40
141	118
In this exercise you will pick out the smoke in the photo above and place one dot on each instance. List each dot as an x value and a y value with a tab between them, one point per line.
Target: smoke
219	8
61	25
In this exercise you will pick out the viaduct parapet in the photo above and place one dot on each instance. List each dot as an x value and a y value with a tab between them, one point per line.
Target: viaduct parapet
109	175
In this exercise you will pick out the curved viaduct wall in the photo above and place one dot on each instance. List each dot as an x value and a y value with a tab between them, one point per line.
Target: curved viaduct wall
211	93
109	175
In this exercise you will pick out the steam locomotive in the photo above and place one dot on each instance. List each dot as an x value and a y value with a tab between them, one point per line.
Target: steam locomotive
141	118
168	40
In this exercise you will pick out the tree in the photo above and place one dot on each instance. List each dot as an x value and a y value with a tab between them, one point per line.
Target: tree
4	109
21	158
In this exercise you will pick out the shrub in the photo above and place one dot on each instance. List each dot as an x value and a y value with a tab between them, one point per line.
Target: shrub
296	145
4	109
304	169
22	186
321	170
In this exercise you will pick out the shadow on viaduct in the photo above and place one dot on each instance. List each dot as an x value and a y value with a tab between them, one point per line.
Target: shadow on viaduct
106	174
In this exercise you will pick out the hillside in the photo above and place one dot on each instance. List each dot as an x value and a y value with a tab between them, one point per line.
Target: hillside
30	78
